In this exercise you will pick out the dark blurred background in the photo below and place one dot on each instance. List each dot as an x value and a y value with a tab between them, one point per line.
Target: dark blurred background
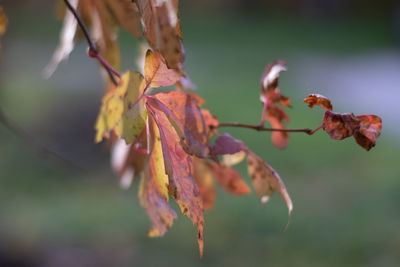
345	199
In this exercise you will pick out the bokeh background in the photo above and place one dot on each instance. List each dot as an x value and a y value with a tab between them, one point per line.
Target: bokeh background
346	200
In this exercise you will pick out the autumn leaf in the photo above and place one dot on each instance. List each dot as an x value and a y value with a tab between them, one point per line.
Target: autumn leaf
229	179
185	116
161	28
233	159
270	96
178	166
340	125
205	181
157	73
369	131
3	23
123	109
320	100
226	144
153	190
266	180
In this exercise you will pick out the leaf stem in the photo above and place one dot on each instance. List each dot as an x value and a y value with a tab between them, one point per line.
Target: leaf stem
265	129
93	52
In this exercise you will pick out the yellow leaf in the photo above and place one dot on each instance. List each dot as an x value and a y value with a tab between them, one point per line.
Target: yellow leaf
123	110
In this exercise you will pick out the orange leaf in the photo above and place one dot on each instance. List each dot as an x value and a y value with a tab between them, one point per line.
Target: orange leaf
178	166
229	179
153	190
266	180
277	117
340	125
370	129
185	116
157	73
320	100
204	180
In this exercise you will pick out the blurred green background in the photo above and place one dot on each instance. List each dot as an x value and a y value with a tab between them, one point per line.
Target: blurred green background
345	199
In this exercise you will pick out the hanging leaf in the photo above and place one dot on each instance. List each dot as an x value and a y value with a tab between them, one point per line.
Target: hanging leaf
161	28
123	109
204	179
340	125
178	166
226	144
229	179
185	116
278	118
370	130
320	100
153	190
266	180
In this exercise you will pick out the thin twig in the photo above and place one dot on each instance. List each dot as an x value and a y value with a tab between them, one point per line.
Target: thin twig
39	148
93	52
262	128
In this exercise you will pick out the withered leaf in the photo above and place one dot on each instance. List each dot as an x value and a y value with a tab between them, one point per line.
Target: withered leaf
178	166
161	28
340	125
269	79
226	144
153	190
320	100
204	179
123	109
229	179
185	116
157	73
266	180
277	117
369	131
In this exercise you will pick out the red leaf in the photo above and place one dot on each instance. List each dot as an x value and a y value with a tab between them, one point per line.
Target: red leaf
226	144
370	129
178	167
205	181
185	116
340	125
229	179
277	118
320	100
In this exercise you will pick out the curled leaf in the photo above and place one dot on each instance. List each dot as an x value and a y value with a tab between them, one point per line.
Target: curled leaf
226	144
340	125
266	180
157	73
123	109
320	100
370	129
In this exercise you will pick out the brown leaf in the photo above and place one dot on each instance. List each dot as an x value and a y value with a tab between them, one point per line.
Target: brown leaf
229	179
153	190
161	28
178	166
370	130
266	180
157	73
320	100
205	181
226	144
277	117
186	118
340	125
269	79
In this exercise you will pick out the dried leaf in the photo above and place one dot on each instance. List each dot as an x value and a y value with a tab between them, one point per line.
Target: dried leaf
123	109
269	79
157	73
277	118
226	144
186	118
340	125
229	179
178	166
205	181
161	28
320	100
153	190
266	180
370	130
